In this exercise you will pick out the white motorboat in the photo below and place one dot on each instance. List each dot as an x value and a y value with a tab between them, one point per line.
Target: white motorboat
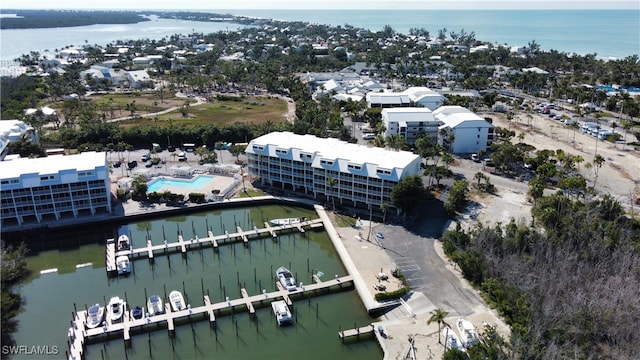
286	221
123	264
95	316
282	313
154	305
286	278
451	340
468	333
176	300
115	309
123	243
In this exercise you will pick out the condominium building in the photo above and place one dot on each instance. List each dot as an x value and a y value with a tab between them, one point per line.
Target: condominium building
410	123
54	188
329	169
463	132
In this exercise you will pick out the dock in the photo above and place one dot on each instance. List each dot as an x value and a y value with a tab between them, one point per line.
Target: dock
110	256
79	334
356	332
183	245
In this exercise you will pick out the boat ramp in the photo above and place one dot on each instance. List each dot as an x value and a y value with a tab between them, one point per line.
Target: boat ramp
212	240
79	334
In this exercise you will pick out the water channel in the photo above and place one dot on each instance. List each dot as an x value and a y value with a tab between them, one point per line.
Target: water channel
50	297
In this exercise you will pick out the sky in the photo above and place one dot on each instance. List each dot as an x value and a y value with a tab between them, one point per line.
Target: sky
320	4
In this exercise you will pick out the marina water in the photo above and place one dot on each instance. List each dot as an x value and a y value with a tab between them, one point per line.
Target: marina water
50	297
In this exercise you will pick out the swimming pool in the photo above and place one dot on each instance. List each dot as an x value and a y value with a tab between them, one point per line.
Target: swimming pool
197	182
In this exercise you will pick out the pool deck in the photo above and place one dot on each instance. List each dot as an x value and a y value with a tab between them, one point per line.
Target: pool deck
218	182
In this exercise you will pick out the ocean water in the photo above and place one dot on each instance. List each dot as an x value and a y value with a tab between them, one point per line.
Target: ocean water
607	33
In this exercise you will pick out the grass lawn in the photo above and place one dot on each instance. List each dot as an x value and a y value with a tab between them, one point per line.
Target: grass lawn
251	193
249	110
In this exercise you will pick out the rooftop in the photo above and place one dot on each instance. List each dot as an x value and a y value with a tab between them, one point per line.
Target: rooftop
331	148
52	164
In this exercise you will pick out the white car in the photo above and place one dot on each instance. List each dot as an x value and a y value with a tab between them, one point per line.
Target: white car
368	136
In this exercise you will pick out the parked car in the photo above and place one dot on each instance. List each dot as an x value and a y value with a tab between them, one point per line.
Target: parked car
368	136
148	164
132	164
475	157
171	148
117	164
146	157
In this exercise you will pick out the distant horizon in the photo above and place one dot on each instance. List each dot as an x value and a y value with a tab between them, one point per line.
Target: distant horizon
240	5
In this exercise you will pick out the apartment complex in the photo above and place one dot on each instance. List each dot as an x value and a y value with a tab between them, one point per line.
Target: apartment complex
462	131
410	123
54	188
329	169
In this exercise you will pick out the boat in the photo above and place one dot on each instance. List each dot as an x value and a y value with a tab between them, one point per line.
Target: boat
286	221
123	264
451	340
137	312
282	313
176	300
286	278
468	333
154	305
95	316
123	243
115	309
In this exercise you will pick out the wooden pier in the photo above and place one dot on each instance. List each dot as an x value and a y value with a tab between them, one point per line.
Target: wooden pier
356	332
183	245
79	334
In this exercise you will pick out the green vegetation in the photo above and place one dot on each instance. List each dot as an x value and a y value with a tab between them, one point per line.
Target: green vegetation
29	19
408	193
395	294
14	269
197	198
562	287
251	193
457	197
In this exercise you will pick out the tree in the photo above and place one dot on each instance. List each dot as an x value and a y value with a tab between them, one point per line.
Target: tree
457	196
139	185
332	184
598	161
384	207
439	316
236	150
408	193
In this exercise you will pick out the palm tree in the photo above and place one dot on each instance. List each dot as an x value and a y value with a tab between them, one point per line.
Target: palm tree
384	207
332	183
598	161
438	315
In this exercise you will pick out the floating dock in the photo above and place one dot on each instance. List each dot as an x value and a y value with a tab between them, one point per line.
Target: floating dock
79	334
183	245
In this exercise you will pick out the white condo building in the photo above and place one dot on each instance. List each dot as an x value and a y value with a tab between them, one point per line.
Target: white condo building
54	188
410	123
416	96
364	176
463	132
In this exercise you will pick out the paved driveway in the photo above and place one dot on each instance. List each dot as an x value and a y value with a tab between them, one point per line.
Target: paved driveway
413	251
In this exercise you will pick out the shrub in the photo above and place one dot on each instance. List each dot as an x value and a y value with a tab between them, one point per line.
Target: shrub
196	198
